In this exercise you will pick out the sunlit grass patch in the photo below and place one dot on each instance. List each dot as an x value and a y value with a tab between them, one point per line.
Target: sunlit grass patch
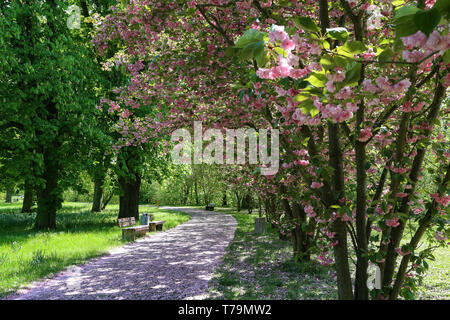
27	255
261	267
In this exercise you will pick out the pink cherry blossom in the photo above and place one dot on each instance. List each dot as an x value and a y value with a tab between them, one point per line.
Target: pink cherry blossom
417	39
316	185
392	222
364	135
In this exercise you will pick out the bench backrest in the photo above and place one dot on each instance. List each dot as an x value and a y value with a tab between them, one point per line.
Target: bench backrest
126	222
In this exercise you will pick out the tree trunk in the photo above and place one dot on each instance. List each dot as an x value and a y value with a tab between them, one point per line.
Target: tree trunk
397	233
197	200
301	236
129	198
8	196
27	198
224	199
49	197
344	282
298	237
238	202
107	199
98	194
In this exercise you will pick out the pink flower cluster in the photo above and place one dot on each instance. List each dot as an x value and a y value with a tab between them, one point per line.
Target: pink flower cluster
435	42
400	252
384	86
392	222
364	135
335	113
443	201
440	236
286	65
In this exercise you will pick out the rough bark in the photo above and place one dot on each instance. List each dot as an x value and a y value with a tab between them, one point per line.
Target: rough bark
49	195
98	193
129	178
129	198
238	202
197	200
397	233
423	226
27	203
8	195
224	199
344	282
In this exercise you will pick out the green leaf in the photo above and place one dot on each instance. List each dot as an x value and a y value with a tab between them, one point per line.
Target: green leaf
349	49
353	73
444	7
404	21
405	11
327	62
280	51
307	23
406	29
339	33
249	36
252	50
446	57
301	97
308	107
325	44
317	80
257	171
398	3
340	61
231	51
385	55
262	57
427	20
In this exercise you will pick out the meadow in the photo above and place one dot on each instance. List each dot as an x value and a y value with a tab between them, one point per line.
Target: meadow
27	255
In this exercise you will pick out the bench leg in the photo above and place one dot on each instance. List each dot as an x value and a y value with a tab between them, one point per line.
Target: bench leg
129	234
152	227
159	227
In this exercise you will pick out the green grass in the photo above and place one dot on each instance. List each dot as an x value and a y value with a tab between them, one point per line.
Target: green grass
436	284
261	267
27	255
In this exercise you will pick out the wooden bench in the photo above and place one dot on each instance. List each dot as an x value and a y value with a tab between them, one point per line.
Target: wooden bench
131	233
156	225
210	207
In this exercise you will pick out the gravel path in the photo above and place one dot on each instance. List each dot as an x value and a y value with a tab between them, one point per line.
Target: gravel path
174	264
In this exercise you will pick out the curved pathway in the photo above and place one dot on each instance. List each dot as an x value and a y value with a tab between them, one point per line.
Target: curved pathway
174	264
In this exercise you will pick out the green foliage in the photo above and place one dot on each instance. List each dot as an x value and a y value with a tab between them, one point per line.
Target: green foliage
307	24
409	19
351	48
339	33
251	45
427	20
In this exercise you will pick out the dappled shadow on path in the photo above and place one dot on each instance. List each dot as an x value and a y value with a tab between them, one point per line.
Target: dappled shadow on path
175	264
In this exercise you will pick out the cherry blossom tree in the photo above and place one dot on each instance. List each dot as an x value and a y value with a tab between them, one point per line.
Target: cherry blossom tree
356	88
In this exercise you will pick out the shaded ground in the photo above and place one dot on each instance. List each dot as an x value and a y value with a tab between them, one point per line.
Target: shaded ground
175	264
259	267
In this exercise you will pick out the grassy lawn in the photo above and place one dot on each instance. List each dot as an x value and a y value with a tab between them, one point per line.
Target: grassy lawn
261	267
436	284
27	255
